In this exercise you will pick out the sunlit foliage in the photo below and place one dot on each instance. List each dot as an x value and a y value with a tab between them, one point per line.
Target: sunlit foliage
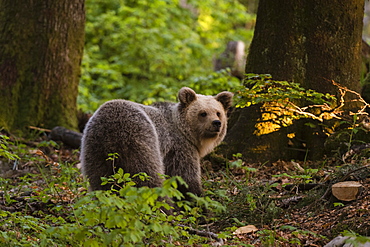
281	102
146	50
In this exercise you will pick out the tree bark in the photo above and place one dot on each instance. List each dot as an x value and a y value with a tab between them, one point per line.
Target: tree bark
41	47
309	42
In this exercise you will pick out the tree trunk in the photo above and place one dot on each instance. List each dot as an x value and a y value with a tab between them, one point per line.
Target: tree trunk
309	42
40	55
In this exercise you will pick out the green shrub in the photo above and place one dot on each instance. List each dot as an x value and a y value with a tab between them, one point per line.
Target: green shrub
131	216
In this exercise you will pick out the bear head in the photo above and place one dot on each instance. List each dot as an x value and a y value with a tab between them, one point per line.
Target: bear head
203	118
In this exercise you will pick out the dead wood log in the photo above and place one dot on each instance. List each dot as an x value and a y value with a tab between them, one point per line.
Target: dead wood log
68	137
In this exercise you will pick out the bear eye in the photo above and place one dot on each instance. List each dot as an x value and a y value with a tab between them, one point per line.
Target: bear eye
218	114
203	114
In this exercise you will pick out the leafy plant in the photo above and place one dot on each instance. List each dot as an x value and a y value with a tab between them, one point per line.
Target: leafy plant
355	239
306	177
338	204
268	237
238	163
287	97
4	149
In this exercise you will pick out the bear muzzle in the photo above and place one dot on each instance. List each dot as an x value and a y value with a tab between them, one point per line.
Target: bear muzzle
216	125
213	130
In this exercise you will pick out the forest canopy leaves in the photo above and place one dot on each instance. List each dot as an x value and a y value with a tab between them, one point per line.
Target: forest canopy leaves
146	50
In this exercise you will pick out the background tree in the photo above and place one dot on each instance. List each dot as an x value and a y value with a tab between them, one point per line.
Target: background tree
309	42
41	45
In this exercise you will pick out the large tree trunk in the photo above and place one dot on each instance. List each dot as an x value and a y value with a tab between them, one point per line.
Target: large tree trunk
41	47
309	42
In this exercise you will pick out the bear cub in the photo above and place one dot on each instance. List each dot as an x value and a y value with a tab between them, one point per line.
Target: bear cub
163	138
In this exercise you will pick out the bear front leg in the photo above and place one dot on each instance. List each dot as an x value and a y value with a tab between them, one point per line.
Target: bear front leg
195	186
188	168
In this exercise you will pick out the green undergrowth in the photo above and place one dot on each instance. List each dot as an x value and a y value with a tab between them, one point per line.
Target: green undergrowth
48	205
132	216
44	202
247	200
129	216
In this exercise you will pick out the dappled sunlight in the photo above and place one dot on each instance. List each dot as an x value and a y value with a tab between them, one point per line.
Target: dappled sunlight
274	117
260	148
205	21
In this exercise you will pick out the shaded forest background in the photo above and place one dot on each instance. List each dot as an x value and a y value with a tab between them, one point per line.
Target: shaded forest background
145	51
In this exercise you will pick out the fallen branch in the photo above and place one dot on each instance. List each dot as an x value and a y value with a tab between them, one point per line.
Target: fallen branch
302	187
207	234
40	129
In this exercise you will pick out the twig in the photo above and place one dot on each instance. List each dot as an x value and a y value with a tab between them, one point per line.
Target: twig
343	90
353	171
207	234
322	197
37	128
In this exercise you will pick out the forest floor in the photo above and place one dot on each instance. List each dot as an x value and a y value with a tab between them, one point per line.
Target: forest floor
305	216
273	200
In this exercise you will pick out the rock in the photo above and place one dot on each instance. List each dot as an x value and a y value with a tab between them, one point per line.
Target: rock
341	241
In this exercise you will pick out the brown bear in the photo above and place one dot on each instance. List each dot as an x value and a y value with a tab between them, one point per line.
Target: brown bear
163	138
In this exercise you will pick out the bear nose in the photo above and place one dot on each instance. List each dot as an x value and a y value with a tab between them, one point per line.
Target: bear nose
216	124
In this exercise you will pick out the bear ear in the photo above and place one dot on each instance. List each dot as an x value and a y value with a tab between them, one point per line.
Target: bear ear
226	99
186	96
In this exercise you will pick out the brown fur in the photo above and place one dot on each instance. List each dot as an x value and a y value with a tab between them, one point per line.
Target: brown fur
165	138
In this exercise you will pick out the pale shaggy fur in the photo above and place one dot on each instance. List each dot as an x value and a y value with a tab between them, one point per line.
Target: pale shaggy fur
164	138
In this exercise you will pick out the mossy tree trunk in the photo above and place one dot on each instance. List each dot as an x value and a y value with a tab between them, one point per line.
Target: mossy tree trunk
41	47
309	42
